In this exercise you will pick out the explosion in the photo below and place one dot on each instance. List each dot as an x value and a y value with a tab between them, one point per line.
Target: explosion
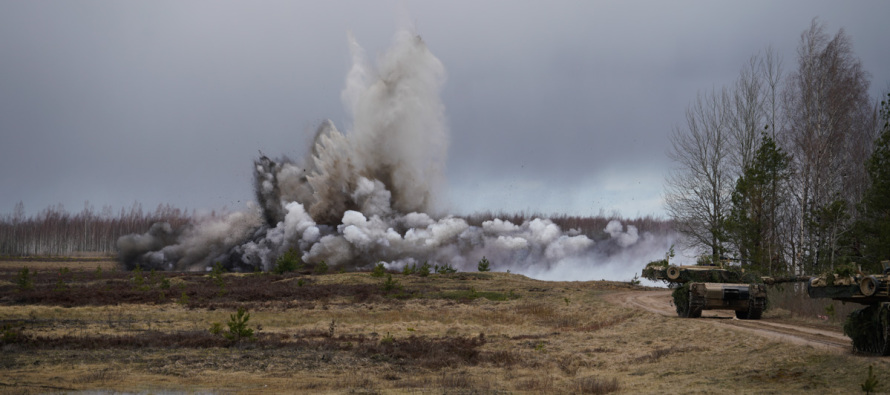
369	195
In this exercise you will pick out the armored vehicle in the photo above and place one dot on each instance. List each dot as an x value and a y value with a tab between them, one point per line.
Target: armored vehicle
701	288
869	327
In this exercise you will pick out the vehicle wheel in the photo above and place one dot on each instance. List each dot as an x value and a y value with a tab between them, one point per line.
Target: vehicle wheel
684	303
869	328
754	312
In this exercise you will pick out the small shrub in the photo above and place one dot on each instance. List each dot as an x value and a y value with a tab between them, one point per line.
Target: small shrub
635	280
871	382
379	270
424	270
484	265
238	328
301	282
138	280
24	280
387	340
288	262
98	272
60	284
217	276
10	334
183	299
321	268
165	283
216	328
407	270
390	284
445	269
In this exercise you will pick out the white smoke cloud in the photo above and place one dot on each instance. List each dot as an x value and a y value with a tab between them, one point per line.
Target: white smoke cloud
369	195
624	238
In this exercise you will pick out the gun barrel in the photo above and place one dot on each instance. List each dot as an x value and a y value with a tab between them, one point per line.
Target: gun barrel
785	279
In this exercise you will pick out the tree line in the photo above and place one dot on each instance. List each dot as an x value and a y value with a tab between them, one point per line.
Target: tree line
54	231
786	172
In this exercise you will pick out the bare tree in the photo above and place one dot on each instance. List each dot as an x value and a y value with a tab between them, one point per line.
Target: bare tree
826	104
697	192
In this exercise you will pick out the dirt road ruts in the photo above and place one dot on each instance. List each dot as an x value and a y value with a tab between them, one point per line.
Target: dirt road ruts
660	302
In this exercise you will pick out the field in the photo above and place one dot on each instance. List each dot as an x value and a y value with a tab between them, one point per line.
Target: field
74	325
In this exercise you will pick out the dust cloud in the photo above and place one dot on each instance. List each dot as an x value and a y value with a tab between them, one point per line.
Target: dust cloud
369	195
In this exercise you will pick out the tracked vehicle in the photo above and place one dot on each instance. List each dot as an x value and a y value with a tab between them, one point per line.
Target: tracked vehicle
701	288
869	327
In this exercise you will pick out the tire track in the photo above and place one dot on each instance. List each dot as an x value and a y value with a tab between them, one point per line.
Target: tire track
660	302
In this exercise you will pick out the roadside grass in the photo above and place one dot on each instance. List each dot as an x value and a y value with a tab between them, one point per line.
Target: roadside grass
791	302
455	332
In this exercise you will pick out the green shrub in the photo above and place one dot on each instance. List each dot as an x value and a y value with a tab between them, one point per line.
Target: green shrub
238	329
321	268
871	382
424	270
445	269
24	280
10	334
138	279
484	265
379	270
183	299
390	284
407	270
288	262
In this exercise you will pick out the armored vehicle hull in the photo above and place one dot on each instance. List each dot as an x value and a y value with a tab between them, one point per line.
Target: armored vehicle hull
869	327
700	288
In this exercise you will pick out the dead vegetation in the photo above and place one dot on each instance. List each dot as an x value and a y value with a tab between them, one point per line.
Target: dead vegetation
444	333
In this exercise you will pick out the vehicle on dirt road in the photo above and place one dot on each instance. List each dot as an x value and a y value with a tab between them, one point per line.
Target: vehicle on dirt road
869	327
711	287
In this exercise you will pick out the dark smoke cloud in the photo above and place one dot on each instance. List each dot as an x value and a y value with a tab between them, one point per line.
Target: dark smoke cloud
369	196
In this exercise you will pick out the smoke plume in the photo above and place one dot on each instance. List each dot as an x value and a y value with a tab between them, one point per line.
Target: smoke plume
369	195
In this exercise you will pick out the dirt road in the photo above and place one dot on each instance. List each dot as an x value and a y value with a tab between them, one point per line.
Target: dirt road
660	302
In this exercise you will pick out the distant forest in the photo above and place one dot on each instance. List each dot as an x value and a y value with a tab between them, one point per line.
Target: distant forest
57	232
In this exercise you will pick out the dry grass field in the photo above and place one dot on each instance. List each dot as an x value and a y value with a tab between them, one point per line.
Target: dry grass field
85	326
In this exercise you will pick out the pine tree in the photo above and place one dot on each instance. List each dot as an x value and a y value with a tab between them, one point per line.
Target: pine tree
751	222
873	229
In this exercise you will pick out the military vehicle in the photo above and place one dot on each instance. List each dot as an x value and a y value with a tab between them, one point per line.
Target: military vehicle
869	327
711	287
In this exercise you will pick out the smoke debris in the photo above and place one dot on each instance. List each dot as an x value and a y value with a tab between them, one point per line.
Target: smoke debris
369	195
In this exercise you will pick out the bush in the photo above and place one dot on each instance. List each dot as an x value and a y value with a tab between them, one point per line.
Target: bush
237	324
217	276
379	270
288	262
444	269
423	270
24	281
321	268
390	284
484	265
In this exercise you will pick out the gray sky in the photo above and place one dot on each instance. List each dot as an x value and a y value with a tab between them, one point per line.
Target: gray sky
553	107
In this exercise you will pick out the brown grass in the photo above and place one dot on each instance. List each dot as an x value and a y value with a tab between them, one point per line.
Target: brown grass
791	302
342	333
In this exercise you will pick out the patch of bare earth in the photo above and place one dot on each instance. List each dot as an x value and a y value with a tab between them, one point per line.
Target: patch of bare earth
450	333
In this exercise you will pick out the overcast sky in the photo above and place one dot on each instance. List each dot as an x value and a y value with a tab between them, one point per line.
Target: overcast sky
553	107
